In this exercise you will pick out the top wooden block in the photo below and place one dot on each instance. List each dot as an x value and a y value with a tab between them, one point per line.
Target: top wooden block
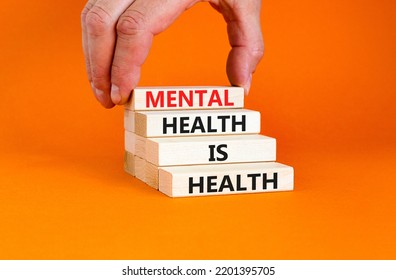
176	98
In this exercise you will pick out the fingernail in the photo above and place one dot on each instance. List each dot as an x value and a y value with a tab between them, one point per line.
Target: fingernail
99	95
115	94
248	84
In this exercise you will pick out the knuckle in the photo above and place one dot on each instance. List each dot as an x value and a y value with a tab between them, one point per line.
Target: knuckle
85	11
257	51
131	23
84	15
98	21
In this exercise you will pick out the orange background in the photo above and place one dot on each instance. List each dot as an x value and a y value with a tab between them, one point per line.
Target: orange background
325	89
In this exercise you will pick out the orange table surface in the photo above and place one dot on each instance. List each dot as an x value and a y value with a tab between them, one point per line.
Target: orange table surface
325	89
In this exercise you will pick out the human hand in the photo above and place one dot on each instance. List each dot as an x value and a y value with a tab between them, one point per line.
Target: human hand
118	34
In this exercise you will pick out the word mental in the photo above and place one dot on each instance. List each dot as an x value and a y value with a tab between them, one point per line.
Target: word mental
186	97
179	98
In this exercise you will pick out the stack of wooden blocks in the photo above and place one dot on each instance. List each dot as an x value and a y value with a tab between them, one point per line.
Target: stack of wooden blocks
193	141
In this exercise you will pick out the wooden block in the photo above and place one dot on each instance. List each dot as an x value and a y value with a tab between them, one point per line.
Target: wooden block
236	178
129	120
129	163
168	151
194	122
130	142
152	175
140	168
135	144
173	98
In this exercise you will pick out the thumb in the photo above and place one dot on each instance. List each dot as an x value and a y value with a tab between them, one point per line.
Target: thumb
245	37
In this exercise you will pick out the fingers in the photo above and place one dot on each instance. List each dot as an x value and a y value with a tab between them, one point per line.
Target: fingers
118	34
135	31
244	33
99	19
84	13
